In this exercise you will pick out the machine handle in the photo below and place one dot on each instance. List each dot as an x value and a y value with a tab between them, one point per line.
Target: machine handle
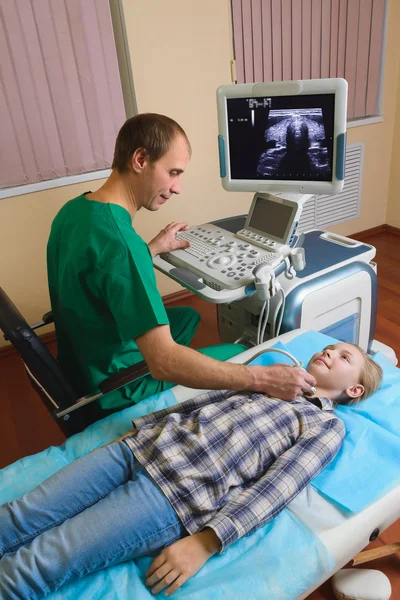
187	277
193	283
340	240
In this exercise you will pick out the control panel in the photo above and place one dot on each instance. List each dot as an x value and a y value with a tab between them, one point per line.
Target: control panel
222	259
260	240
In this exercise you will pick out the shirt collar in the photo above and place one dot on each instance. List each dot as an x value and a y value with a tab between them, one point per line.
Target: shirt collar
322	403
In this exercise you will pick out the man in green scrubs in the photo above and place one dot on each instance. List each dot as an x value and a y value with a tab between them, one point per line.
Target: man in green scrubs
107	310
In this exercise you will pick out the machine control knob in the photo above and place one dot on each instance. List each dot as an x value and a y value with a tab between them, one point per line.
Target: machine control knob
221	237
222	260
231	243
374	535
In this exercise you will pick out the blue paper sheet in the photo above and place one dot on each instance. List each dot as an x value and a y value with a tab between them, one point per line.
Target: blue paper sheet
263	566
367	466
280	560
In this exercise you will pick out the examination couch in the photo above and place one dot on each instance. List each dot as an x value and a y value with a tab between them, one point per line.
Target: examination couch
328	523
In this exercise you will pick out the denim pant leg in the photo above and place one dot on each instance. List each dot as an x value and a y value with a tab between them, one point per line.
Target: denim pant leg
133	520
66	493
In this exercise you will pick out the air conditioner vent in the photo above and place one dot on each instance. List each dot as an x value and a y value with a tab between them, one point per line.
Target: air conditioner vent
321	212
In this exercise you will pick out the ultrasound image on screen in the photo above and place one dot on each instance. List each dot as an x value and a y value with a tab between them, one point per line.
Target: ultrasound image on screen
281	138
295	141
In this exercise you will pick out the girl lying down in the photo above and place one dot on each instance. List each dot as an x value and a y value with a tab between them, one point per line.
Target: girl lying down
186	483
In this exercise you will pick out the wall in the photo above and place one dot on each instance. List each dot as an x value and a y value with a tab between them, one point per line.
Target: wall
378	139
180	54
393	209
25	226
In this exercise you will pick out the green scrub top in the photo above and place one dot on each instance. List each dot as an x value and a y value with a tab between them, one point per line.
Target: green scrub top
103	293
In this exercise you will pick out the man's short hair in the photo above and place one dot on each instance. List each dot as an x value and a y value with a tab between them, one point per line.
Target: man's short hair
149	131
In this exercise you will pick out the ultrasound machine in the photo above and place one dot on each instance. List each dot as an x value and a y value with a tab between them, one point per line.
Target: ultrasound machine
286	142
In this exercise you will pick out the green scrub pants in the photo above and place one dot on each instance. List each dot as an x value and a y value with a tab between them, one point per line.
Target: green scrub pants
184	321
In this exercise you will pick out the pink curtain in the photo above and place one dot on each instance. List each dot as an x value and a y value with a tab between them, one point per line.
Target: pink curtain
277	40
61	102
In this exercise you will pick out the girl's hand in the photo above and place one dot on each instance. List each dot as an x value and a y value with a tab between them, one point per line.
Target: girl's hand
180	561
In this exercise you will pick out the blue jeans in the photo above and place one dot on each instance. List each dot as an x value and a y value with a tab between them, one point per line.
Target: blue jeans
97	512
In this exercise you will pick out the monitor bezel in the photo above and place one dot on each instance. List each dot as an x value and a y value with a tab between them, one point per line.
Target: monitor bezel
270	198
336	86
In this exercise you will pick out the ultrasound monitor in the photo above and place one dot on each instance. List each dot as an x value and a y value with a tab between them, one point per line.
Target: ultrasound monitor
272	217
283	136
272	221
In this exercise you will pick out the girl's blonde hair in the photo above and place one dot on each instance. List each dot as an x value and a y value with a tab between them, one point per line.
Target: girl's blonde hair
371	378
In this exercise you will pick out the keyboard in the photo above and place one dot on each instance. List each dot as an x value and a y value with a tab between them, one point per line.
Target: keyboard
198	248
220	258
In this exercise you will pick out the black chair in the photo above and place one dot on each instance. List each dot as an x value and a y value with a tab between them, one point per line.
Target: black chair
72	414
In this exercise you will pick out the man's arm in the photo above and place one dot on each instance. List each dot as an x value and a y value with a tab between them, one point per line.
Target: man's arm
169	361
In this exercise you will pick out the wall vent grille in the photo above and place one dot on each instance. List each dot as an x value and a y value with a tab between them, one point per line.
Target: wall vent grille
321	212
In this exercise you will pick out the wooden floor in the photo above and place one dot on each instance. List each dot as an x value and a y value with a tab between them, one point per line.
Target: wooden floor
27	428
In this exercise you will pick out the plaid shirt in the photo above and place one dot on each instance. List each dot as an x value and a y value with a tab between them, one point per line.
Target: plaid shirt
232	461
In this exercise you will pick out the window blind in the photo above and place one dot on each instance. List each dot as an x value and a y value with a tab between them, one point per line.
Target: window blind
61	103
277	40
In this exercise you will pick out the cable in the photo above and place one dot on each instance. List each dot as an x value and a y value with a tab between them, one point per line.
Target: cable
265	322
273	319
259	321
242	337
297	363
282	309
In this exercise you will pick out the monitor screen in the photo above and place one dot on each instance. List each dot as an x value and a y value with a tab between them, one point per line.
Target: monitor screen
287	136
271	218
281	137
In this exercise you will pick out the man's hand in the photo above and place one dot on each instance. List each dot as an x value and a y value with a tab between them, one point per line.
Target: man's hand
180	561
165	241
283	381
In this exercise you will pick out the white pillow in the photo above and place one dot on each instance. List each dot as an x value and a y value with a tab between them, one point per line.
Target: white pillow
361	584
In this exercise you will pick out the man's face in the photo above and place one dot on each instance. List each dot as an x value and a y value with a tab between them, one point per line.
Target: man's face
337	367
162	178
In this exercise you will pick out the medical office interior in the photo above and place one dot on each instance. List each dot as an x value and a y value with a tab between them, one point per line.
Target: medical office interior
173	56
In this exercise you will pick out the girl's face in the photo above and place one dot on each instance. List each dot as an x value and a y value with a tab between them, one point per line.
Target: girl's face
337	367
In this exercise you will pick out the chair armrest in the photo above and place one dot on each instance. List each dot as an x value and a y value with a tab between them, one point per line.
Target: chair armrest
124	377
110	384
46	319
